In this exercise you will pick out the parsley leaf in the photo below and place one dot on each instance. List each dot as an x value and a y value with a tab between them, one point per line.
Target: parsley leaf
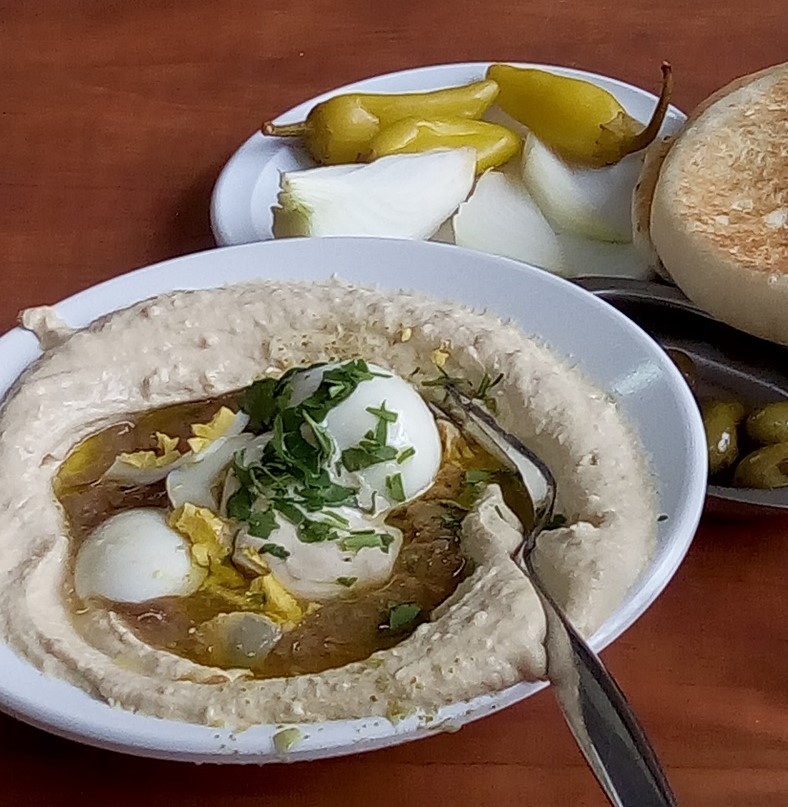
331	515
402	616
292	513
382	413
367	539
336	385
445	380
262	524
266	397
315	532
372	448
322	492
486	384
367	452
405	454
394	488
276	550
481	392
239	505
259	402
321	434
347	582
475	481
452	516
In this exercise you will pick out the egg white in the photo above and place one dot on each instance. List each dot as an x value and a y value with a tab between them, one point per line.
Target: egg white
349	421
135	556
311	571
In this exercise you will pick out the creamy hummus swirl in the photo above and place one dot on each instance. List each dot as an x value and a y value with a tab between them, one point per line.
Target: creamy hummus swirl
189	345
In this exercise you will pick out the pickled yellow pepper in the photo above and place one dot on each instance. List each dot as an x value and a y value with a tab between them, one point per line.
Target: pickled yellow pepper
580	121
341	129
494	144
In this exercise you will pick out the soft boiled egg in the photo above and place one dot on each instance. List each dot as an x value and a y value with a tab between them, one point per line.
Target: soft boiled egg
324	570
411	430
135	556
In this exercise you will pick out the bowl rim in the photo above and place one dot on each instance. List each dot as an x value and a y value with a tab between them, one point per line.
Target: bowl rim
98	724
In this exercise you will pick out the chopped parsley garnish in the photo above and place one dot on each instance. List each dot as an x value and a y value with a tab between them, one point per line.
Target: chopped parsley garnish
276	550
321	434
480	392
394	488
445	380
452	515
382	413
477	476
372	448
476	480
322	492
291	474
315	532
268	397
292	513
366	539
239	505
402	616
332	516
367	452
291	479
405	454
485	385
261	524
347	582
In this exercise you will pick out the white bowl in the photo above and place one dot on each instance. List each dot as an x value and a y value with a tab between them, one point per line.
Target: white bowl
621	358
247	186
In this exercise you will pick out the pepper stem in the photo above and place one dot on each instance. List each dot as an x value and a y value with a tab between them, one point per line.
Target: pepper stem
649	134
284	129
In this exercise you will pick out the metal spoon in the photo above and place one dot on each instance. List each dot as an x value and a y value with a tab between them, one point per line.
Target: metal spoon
604	726
729	364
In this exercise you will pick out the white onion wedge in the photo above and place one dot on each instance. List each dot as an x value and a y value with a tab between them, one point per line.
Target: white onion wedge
584	257
401	196
502	219
591	202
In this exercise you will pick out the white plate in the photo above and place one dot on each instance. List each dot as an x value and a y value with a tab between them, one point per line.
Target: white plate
247	187
650	389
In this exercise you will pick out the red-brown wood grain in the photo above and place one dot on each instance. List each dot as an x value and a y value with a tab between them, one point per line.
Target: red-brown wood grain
115	118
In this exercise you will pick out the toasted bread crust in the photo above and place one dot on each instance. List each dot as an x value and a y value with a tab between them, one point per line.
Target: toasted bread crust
642	197
719	214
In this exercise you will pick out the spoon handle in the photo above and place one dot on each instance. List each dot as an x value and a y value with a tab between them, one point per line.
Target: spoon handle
608	733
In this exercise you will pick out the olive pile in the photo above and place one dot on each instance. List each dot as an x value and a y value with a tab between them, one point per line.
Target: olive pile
730	432
747	448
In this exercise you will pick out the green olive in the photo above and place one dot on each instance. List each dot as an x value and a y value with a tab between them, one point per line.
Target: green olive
765	468
769	424
685	364
721	420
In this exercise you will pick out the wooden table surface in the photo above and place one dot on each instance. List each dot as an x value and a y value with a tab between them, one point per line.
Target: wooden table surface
115	118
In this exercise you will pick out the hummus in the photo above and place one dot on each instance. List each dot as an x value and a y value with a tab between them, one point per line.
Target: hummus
190	345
